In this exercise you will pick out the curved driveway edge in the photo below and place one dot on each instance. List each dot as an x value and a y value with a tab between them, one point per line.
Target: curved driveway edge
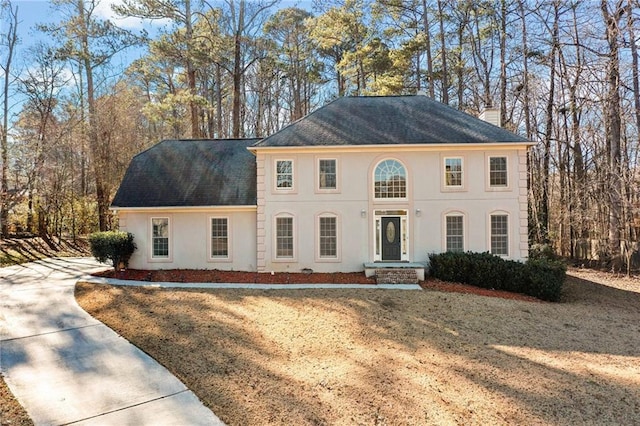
65	367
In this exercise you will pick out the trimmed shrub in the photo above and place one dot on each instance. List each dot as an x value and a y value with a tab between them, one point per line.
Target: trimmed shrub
541	278
116	246
544	279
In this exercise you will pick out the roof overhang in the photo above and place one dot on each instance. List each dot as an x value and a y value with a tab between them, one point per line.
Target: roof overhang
184	209
404	147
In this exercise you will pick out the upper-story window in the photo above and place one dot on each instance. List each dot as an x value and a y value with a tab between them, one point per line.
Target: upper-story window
498	171
284	174
453	172
327	173
390	180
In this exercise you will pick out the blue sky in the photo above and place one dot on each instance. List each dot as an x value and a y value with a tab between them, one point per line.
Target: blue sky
33	12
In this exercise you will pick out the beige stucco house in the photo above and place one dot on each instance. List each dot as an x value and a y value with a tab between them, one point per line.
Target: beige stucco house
360	182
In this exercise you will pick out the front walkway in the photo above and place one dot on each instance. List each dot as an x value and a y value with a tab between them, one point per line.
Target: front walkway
65	367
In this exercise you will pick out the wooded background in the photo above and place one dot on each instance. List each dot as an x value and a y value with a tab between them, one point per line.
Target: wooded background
563	73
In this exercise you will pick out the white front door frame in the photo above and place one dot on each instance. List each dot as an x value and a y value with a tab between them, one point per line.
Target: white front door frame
403	215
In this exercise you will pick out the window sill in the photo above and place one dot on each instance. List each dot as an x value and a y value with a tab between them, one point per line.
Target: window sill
219	260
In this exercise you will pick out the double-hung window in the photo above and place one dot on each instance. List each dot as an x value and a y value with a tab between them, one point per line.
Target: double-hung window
160	237
328	237
455	233
327	174
453	172
219	238
500	234
498	171
284	174
284	237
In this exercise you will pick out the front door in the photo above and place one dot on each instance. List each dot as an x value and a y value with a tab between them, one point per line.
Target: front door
391	238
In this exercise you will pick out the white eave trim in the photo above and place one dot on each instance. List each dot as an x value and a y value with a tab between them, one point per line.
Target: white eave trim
186	209
399	147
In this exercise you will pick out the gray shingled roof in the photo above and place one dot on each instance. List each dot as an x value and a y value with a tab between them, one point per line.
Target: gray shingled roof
387	120
190	173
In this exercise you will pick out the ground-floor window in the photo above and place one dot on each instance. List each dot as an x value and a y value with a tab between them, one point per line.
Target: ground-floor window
328	236
455	233
160	237
219	237
500	234
284	237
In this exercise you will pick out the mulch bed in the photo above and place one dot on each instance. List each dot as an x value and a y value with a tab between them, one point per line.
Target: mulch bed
217	276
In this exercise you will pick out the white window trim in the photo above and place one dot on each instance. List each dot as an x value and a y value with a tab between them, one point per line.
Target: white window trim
443	175
229	256
509	232
373	182
497	188
151	257
465	229
317	176
293	188
275	257
338	257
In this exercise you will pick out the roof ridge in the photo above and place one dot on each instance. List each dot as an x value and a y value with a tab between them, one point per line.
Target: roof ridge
298	120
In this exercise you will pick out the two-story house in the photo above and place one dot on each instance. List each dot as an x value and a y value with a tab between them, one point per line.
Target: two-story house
359	181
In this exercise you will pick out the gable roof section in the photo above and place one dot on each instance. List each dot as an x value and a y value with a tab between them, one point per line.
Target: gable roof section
179	173
387	120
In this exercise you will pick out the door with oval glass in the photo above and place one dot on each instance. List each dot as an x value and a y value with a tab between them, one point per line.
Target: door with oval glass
390	238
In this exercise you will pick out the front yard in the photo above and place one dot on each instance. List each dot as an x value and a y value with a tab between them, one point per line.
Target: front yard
376	357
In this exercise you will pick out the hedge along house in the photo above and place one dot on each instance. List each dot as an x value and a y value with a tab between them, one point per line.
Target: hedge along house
360	183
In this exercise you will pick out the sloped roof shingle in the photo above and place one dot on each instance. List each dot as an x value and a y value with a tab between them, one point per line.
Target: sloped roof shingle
179	173
392	120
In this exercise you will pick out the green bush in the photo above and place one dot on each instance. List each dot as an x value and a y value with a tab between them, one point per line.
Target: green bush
541	277
116	246
544	278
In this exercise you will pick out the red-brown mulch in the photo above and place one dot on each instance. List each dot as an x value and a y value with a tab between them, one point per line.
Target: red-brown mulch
217	276
469	289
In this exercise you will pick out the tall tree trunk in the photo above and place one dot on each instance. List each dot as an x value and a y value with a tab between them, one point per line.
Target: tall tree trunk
191	73
237	72
427	39
443	53
525	73
580	175
503	62
543	219
99	166
219	133
12	39
613	123
460	65
634	62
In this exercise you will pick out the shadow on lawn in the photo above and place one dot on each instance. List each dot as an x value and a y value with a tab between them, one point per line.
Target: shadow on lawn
431	353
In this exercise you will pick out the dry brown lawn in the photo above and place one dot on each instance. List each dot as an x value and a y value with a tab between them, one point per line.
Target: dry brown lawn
378	357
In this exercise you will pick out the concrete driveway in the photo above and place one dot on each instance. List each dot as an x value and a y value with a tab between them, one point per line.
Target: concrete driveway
65	367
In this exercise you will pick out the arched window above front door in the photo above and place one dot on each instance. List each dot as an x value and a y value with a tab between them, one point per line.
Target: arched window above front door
390	180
